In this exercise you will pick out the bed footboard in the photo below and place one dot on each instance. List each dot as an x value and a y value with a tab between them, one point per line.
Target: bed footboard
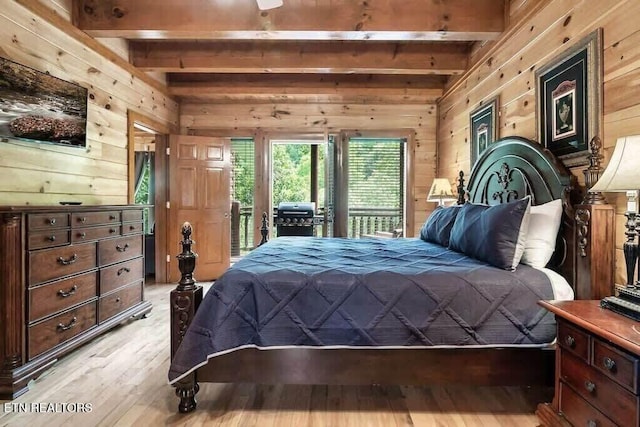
184	300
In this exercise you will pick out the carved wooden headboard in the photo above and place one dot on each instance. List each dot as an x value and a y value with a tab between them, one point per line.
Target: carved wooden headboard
514	167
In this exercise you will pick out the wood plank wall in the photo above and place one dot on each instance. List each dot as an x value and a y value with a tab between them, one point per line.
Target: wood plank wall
508	71
233	118
46	174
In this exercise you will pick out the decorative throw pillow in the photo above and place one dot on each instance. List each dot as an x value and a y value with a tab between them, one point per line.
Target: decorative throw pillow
437	227
494	234
543	233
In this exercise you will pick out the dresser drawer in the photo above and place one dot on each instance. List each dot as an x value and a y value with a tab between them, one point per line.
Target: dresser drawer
599	390
93	233
616	364
120	249
45	335
48	238
84	219
132	228
120	300
47	221
574	340
134	215
579	412
57	296
120	274
47	264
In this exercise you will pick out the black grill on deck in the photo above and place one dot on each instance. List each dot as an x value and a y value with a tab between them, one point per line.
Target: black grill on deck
296	219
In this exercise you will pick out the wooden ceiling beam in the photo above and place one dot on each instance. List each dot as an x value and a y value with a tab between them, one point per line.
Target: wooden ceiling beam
300	57
305	88
390	20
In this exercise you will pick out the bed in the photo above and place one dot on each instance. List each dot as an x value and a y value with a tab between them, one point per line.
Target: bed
313	320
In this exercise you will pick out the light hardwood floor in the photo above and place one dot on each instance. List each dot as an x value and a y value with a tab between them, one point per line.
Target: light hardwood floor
123	375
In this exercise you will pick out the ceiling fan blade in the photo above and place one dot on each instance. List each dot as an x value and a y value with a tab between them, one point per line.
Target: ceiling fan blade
268	4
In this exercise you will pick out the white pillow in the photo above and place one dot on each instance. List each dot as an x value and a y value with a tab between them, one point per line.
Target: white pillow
544	223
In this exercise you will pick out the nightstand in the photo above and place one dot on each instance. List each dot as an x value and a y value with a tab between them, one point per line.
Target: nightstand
597	354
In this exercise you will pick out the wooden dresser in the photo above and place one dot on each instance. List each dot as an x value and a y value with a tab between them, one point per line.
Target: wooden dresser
597	368
67	274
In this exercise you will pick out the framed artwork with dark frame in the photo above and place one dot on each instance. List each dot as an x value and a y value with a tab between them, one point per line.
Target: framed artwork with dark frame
569	94
484	125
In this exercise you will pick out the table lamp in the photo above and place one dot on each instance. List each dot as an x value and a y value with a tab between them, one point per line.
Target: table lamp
440	191
622	174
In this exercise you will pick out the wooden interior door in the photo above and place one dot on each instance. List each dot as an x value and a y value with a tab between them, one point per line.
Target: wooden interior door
200	192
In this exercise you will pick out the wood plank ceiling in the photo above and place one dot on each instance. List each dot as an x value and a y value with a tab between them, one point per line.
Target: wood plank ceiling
304	51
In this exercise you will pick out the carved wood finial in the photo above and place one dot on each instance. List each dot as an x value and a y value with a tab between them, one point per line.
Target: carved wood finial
186	260
460	188
264	229
593	172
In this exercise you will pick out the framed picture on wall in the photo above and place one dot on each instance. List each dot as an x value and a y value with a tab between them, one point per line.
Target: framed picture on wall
484	125
569	96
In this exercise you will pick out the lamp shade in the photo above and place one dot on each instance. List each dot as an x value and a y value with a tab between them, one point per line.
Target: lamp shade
623	171
440	191
268	4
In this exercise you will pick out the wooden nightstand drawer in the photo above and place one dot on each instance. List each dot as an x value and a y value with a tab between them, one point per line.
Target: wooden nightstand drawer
45	335
47	221
120	300
85	219
57	296
600	391
616	364
116	250
94	233
121	274
579	412
574	340
48	264
48	238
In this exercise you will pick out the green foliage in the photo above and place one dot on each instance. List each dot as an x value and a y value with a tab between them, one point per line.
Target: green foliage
375	174
142	192
291	173
243	171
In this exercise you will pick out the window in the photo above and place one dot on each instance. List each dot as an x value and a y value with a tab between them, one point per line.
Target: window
243	179
376	185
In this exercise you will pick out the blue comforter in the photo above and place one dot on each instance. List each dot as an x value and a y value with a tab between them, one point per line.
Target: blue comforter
297	291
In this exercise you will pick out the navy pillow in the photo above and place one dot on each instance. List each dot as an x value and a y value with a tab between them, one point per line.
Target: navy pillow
438	226
494	234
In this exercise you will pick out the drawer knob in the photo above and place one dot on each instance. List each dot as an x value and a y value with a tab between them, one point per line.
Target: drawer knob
52	221
609	363
570	341
132	227
83	219
66	294
118	299
112	230
122	248
82	235
51	238
71	324
123	270
591	387
592	423
112	217
71	260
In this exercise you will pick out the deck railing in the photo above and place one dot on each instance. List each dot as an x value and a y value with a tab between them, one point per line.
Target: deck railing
363	222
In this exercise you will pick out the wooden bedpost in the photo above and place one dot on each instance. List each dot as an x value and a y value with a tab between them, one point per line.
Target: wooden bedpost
460	188
264	229
185	299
